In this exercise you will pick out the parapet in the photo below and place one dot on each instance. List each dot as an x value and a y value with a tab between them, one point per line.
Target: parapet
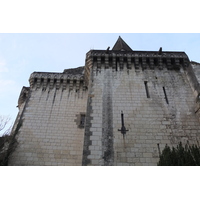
71	78
140	59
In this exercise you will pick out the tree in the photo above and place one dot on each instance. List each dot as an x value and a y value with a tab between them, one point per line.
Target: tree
4	120
4	137
180	156
8	141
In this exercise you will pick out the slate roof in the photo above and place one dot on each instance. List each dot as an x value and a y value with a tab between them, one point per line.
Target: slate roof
120	45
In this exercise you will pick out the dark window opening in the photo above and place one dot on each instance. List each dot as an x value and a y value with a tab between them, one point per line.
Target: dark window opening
82	121
147	89
165	95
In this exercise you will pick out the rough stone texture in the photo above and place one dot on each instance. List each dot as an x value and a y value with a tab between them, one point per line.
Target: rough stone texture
49	134
150	121
107	119
74	71
196	69
194	78
158	92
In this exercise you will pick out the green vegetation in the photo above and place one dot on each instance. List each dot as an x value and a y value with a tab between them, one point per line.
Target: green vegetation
180	156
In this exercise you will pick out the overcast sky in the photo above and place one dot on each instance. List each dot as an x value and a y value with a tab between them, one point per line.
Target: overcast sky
22	54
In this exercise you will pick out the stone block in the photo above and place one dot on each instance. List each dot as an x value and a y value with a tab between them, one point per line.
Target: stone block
147	155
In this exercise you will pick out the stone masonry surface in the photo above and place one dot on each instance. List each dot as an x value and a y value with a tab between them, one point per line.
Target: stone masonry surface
150	121
50	135
158	93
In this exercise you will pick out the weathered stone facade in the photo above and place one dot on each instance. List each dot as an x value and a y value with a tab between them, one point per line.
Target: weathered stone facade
74	117
50	134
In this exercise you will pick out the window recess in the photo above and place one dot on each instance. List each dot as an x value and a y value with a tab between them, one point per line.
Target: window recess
147	89
166	99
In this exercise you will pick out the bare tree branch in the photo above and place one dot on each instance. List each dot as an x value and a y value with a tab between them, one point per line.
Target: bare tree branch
4	120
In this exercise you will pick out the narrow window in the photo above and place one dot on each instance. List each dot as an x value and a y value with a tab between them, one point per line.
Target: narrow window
165	95
146	88
82	121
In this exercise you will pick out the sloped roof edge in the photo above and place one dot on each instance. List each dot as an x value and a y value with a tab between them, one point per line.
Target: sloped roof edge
121	45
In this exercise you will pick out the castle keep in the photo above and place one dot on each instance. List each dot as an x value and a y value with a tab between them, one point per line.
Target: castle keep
121	108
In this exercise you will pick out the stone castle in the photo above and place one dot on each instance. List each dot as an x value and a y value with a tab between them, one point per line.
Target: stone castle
121	108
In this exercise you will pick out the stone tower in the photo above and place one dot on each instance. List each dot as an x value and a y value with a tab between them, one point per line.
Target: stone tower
121	108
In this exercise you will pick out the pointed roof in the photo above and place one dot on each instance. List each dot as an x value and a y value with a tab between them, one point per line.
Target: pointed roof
120	45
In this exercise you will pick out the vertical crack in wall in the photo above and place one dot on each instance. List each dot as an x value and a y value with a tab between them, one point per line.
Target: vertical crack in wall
107	121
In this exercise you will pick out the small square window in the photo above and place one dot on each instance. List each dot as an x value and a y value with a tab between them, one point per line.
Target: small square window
82	121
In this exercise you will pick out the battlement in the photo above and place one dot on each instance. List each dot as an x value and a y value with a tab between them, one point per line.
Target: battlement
138	59
71	78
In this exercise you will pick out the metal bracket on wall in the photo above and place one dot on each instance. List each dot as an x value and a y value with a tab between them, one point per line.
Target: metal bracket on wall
123	128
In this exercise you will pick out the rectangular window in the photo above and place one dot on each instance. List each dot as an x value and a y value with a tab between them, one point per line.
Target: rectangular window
147	89
82	120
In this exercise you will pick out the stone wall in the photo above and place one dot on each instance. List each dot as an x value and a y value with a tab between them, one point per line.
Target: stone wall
196	68
51	133
158	93
166	117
